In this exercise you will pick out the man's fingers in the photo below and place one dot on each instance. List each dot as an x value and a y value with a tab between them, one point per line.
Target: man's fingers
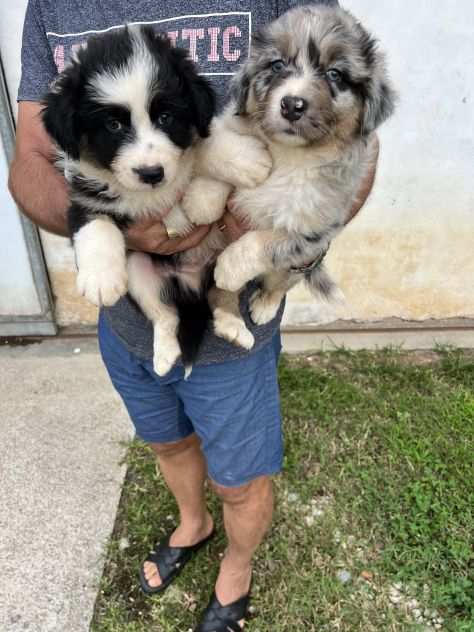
152	236
234	229
146	235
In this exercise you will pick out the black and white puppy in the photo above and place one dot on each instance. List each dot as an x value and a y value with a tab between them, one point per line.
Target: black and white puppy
128	112
315	87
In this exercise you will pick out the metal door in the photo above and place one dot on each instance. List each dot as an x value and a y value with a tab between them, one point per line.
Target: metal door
25	298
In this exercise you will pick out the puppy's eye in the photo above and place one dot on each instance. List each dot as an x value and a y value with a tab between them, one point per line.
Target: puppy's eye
165	119
278	65
334	75
113	125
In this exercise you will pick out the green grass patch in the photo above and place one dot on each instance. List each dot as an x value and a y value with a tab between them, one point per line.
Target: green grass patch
378	484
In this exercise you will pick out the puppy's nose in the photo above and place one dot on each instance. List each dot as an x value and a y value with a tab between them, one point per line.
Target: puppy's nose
293	108
150	175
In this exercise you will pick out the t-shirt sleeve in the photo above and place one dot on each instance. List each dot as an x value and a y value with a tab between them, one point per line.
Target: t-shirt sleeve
37	64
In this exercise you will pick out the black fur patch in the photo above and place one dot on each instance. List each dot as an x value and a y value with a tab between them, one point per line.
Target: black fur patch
313	53
93	189
313	237
194	313
78	216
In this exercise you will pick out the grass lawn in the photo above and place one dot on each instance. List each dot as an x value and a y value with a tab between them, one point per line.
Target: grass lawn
374	526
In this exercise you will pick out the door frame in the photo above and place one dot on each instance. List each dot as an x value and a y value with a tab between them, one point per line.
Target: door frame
42	324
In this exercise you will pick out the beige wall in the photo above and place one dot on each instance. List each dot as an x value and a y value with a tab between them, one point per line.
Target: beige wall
409	253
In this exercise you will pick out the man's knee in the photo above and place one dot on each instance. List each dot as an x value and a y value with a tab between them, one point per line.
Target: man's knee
174	448
260	488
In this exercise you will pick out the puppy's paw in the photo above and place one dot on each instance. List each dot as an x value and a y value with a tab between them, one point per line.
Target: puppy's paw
250	164
166	353
233	329
264	306
178	220
229	272
205	200
104	285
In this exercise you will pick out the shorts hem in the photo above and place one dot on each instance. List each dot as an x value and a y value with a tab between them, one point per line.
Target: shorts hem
159	439
247	479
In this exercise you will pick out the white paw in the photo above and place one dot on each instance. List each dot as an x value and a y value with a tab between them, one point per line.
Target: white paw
205	200
178	221
233	329
102	286
229	272
166	353
251	165
263	307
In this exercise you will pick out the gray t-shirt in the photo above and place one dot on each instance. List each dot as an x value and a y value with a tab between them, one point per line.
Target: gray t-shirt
217	34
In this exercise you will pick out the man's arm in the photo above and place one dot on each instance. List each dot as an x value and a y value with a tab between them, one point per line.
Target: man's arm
368	180
41	192
36	185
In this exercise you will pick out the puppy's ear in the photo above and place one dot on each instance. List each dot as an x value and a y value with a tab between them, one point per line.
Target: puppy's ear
240	85
378	107
203	102
198	89
60	115
240	88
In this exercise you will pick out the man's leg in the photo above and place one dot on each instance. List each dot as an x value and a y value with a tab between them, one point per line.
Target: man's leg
160	421
175	459
234	408
247	516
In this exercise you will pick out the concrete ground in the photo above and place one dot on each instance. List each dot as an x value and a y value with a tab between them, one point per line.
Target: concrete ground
62	438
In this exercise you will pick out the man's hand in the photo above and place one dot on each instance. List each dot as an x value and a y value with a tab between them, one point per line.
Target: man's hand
232	228
148	235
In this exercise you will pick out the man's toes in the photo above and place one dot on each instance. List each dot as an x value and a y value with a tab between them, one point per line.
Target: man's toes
151	574
154	581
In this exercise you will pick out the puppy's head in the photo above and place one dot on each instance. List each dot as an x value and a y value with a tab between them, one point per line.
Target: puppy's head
129	103
314	76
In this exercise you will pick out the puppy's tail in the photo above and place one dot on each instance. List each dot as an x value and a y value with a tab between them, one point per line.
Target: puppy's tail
194	316
321	284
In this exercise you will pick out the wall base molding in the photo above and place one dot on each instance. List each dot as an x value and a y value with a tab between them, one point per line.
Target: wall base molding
410	335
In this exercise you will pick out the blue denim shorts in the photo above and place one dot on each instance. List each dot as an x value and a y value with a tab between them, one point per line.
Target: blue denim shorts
233	407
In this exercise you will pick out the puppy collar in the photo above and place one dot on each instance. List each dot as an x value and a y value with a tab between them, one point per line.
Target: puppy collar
312	265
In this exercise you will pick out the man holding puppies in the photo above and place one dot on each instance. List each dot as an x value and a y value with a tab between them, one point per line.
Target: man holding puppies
223	423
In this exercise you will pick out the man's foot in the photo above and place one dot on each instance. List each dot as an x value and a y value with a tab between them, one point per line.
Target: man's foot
232	584
184	536
219	618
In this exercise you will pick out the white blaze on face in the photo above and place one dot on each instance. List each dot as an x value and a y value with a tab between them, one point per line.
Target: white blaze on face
131	87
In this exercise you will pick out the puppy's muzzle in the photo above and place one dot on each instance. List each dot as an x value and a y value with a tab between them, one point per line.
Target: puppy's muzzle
293	108
150	175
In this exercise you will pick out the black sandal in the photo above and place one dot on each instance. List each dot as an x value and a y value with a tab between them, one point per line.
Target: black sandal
170	561
218	618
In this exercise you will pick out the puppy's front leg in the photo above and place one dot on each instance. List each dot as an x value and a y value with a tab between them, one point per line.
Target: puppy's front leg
145	286
245	259
100	256
239	159
205	200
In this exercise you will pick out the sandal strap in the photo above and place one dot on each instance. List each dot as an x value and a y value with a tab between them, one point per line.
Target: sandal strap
170	559
219	618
